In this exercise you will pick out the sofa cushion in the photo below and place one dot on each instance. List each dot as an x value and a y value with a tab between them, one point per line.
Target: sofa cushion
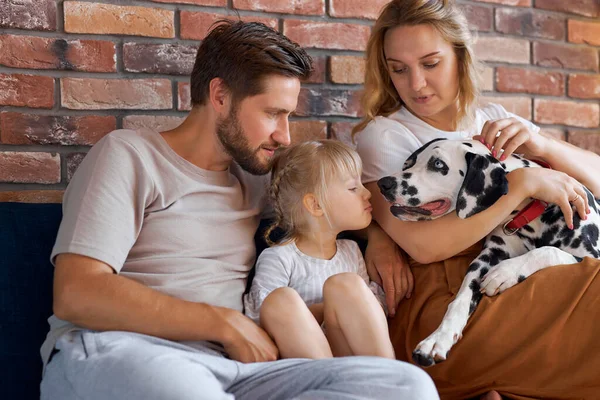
27	234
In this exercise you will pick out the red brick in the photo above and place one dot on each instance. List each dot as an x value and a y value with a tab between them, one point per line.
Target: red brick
589	8
32	196
328	102
158	123
584	86
167	58
342	131
584	115
26	91
356	8
518	3
73	161
347	69
520	106
530	23
39	15
301	131
324	35
17	51
480	18
487	77
106	94
184	98
213	3
554	132
501	49
319	68
18	128
584	32
101	18
565	56
588	140
306	7
521	80
195	25
23	167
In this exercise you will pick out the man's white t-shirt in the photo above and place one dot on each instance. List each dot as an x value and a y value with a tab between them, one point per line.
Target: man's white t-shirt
386	142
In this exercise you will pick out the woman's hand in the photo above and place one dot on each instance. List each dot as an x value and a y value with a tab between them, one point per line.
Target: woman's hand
553	187
387	265
514	136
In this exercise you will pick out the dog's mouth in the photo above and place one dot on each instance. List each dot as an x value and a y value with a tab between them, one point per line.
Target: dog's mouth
429	210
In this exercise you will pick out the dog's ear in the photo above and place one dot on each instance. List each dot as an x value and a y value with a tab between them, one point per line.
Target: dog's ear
485	182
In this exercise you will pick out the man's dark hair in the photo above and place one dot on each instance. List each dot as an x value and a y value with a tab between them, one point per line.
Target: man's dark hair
242	54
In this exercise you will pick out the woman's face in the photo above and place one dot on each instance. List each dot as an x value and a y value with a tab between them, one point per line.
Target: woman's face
424	71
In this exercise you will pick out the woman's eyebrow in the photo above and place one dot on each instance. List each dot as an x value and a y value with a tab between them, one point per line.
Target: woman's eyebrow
425	56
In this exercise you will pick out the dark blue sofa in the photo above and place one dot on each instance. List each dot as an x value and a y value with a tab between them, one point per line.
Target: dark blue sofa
27	233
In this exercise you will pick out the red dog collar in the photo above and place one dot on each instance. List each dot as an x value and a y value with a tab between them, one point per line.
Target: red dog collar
529	213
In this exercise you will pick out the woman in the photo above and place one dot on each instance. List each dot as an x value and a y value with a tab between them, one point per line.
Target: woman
421	84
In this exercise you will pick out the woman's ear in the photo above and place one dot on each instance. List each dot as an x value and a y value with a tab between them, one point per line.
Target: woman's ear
311	204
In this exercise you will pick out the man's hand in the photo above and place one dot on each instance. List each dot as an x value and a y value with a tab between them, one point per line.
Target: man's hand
247	342
387	265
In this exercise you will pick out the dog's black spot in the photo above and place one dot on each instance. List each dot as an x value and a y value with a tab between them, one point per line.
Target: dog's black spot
528	229
412	159
436	164
579	259
548	236
503	165
412	191
575	243
467	144
521	278
483	272
589	237
518	157
526	163
497	240
404	184
422	359
461	173
461	203
551	215
406	175
566	235
497	255
413	201
484	258
474	182
475	287
473	267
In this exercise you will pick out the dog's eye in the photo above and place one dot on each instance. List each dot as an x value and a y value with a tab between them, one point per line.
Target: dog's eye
439	164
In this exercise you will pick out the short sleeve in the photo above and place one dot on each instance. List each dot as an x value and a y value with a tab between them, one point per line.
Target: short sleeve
383	147
272	272
103	206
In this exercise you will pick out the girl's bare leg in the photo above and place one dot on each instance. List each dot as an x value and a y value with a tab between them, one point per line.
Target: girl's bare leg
354	321
296	332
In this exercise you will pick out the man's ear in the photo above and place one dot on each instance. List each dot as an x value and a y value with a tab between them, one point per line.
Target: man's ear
311	204
485	182
219	95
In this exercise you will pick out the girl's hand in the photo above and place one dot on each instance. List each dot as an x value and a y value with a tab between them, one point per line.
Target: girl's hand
553	187
387	265
514	136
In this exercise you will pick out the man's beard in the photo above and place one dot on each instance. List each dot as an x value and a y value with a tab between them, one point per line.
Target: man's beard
232	137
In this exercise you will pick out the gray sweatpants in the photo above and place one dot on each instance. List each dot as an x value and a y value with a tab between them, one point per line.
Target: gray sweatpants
123	365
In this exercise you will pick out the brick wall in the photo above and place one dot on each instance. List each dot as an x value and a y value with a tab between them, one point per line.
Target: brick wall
72	71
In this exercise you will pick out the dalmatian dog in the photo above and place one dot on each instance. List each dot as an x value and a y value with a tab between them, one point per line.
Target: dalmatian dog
447	175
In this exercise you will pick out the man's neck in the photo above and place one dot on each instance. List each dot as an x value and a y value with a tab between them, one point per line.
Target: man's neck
196	140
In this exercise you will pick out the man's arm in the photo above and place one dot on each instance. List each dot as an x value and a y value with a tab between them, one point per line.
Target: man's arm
89	294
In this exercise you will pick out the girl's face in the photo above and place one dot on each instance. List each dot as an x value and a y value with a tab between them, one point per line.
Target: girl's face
424	71
348	204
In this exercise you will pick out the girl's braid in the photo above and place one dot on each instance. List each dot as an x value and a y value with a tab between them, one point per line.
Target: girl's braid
274	196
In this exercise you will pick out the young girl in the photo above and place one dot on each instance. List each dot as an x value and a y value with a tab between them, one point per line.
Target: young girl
311	292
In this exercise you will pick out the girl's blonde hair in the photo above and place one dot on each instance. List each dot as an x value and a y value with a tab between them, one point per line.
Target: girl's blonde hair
308	167
380	96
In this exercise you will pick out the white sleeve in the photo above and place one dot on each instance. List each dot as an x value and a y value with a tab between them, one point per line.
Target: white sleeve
494	111
272	272
383	147
362	272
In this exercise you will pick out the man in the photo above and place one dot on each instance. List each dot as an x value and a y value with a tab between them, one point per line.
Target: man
156	243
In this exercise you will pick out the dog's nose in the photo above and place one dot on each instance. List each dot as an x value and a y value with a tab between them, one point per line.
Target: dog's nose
387	184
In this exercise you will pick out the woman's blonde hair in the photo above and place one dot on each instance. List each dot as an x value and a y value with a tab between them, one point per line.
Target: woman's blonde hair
380	96
308	167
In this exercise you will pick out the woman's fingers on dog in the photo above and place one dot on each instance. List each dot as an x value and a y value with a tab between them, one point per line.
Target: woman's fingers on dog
580	202
490	130
519	139
506	136
567	211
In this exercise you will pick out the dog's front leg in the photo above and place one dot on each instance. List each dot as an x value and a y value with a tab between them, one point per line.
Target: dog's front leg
512	271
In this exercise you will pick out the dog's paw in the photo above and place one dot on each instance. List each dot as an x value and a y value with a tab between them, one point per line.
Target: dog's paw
503	276
434	349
